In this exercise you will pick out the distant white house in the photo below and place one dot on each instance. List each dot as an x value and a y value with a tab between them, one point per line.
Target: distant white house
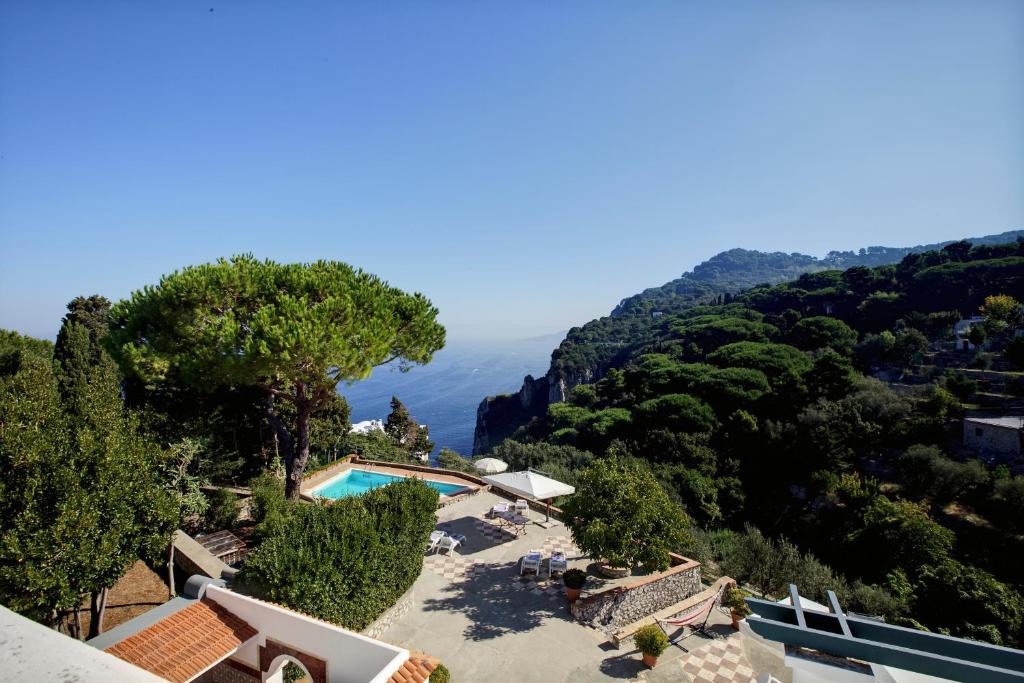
367	426
994	435
962	332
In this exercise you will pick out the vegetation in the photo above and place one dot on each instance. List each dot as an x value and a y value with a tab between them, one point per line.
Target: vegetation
347	561
440	674
762	415
289	333
651	640
574	578
620	514
735	600
80	491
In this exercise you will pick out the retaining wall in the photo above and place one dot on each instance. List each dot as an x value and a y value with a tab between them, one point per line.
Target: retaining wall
620	606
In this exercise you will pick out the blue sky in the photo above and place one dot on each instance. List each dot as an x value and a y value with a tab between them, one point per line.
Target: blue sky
525	165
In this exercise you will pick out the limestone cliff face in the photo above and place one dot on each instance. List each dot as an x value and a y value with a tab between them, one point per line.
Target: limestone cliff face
498	416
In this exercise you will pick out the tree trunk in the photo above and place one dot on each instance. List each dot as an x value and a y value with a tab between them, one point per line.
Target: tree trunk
296	464
75	627
97	611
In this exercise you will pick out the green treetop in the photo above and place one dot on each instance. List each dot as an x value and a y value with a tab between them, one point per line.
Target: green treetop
292	331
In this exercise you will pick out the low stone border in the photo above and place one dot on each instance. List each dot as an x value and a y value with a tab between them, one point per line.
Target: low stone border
391	615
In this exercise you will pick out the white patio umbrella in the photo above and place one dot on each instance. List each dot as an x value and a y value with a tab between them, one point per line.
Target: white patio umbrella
491	465
532	484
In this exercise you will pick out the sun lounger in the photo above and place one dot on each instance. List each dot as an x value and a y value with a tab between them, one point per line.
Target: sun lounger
435	536
449	543
557	563
531	562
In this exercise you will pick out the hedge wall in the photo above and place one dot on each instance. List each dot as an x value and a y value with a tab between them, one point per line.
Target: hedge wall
348	561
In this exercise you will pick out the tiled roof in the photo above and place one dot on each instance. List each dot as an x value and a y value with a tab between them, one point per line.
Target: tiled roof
416	669
186	643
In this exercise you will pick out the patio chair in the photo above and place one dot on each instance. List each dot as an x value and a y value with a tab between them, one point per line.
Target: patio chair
449	543
498	510
531	561
435	536
557	563
522	508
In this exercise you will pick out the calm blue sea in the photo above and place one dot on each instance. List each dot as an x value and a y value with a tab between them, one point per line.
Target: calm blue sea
445	393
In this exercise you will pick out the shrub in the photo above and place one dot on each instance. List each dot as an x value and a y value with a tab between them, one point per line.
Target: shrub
347	561
621	514
223	510
734	600
451	460
440	674
268	505
574	578
651	640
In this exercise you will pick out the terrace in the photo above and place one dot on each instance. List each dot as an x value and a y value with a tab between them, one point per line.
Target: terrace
477	614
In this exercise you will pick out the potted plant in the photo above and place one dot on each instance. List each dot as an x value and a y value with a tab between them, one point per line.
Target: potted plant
737	606
651	641
574	580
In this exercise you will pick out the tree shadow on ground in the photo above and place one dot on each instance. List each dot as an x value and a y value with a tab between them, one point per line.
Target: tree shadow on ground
476	541
496	603
626	665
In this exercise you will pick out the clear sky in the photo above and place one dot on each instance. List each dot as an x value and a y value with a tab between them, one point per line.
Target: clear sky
524	166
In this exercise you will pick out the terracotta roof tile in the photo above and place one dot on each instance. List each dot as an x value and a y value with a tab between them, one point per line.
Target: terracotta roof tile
416	669
186	643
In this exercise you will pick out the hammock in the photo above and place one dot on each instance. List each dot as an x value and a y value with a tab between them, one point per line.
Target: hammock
700	612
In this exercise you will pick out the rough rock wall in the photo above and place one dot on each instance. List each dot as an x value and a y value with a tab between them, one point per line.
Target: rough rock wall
615	608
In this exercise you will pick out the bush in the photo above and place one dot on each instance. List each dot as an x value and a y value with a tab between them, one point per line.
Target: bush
734	600
574	578
268	505
346	561
621	514
440	674
450	460
651	640
223	510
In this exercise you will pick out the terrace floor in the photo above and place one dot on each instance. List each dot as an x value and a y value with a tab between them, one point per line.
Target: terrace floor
474	613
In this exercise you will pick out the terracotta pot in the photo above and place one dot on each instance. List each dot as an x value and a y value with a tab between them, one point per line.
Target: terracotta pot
735	619
573	593
650	660
613	572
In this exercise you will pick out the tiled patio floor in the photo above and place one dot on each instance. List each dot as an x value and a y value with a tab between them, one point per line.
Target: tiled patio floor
476	614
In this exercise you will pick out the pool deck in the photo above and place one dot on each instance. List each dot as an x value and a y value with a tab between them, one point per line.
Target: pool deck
484	622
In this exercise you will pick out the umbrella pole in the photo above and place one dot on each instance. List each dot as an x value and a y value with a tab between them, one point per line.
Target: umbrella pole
547	513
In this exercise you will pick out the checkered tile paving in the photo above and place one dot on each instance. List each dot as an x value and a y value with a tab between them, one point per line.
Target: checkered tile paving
543	585
561	544
492	532
720	661
454	567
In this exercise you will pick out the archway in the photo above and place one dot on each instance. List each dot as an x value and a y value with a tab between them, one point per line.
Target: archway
275	672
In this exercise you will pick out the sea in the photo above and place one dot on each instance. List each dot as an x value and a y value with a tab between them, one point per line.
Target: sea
444	394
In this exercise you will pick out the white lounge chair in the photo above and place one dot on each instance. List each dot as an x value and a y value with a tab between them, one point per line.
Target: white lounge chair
435	537
557	563
522	508
449	543
531	561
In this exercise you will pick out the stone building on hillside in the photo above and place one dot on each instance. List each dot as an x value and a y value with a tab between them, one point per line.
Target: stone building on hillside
996	436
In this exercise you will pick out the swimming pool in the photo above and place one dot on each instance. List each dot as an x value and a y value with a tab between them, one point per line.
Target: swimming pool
358	482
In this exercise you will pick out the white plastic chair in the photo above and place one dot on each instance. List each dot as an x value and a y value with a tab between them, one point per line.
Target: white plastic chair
522	508
531	561
435	536
499	510
448	543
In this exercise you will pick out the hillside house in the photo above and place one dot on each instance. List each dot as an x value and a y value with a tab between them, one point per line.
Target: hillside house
962	332
1000	436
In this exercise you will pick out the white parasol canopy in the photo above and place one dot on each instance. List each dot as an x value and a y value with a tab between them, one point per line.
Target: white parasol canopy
531	485
491	465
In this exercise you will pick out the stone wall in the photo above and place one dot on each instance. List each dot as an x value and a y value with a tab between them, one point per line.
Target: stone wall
617	607
230	671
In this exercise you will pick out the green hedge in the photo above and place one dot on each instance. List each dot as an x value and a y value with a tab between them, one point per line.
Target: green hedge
348	561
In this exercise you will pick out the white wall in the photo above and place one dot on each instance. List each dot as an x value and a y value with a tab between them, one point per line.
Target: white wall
350	657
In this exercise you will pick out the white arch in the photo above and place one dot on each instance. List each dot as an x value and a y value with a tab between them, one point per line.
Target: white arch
275	672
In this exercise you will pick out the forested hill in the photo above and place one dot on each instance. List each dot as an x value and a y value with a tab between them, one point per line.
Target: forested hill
738	269
587	352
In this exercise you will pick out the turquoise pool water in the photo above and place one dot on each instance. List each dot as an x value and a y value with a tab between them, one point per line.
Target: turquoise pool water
358	482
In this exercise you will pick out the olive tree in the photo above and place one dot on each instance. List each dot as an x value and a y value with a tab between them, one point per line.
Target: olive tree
621	514
292	331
